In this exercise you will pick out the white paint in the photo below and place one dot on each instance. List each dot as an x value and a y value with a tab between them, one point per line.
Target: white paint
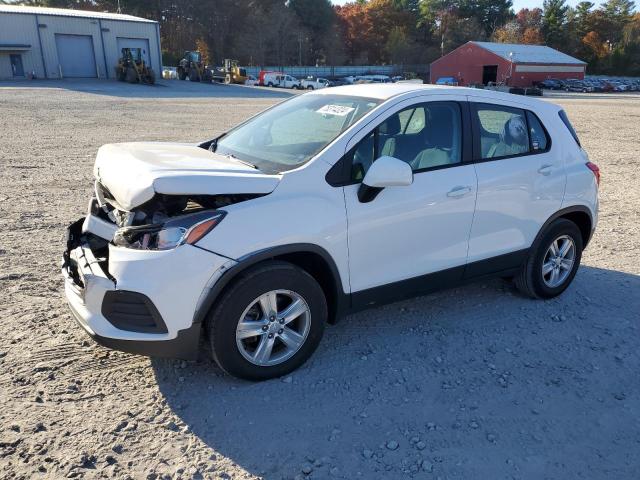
135	172
549	69
389	172
445	218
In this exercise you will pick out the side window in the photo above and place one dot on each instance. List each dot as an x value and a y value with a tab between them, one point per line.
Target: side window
417	121
363	155
503	131
426	136
565	120
539	140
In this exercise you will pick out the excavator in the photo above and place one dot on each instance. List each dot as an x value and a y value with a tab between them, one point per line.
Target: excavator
133	69
191	68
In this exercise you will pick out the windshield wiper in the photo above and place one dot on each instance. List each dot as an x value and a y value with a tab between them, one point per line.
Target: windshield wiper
244	162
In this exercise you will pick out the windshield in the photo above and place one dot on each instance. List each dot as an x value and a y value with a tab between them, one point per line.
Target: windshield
291	133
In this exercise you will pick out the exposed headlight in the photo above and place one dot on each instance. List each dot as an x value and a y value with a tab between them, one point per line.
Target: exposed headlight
170	234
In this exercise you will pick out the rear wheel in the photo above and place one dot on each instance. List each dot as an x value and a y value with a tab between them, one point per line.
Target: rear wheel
151	77
553	261
268	322
131	75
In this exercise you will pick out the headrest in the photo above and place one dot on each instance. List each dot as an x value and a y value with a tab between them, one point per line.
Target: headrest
391	126
514	130
440	124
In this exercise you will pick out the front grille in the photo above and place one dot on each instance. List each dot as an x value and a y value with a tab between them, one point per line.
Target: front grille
132	311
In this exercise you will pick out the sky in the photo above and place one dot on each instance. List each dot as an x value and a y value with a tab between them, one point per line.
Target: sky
517	4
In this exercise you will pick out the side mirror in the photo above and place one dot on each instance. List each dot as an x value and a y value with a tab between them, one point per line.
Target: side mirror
384	172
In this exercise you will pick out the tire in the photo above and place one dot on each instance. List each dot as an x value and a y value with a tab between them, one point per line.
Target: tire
530	280
240	301
131	75
151	77
270	84
310	87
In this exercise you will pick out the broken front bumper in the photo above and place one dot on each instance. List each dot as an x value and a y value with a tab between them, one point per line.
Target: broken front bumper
138	301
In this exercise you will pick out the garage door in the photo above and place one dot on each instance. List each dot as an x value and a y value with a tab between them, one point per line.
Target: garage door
141	43
76	55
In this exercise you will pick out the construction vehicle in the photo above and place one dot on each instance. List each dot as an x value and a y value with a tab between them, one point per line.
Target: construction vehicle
192	68
230	72
133	69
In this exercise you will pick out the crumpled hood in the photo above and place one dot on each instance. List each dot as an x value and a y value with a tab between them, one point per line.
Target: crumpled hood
134	172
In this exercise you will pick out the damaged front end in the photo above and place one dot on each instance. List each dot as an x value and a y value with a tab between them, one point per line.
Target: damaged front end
117	265
164	222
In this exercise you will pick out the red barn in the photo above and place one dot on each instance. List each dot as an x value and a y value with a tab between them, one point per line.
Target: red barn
512	64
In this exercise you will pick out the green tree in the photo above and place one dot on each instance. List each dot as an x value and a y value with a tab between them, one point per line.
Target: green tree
554	19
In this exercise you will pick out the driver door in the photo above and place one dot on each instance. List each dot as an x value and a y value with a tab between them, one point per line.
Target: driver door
410	239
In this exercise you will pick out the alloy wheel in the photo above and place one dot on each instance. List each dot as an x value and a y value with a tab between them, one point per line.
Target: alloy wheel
558	261
273	327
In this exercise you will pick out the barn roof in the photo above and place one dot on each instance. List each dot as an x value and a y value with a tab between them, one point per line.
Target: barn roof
65	12
529	53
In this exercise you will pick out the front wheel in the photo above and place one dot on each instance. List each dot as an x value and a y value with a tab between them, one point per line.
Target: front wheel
553	261
268	322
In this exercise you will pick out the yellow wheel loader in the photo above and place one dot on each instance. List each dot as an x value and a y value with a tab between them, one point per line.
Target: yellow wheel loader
230	72
133	69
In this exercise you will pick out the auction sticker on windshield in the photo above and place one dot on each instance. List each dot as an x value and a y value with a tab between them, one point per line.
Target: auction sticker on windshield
339	110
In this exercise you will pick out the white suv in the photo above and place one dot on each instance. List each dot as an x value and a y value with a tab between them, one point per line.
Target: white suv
330	202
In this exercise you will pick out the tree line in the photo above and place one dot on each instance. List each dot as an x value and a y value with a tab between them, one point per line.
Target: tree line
365	32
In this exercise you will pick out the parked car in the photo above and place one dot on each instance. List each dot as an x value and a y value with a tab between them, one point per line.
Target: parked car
595	84
607	85
251	80
578	86
269	231
451	81
549	84
314	83
337	82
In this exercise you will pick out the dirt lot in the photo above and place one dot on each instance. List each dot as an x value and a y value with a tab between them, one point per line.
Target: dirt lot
475	382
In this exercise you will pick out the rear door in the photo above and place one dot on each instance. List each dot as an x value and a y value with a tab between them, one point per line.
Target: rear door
406	233
521	180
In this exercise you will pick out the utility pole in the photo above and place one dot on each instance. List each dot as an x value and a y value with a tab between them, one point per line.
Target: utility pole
299	49
119	10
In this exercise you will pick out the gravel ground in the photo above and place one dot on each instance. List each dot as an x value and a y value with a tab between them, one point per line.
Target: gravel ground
475	382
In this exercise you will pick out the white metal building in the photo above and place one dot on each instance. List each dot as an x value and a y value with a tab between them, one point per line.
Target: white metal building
61	43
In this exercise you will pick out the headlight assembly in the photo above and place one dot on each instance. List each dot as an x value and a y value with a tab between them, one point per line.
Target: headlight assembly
170	234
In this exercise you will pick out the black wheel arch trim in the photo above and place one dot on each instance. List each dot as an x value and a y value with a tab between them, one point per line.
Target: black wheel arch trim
249	260
563	212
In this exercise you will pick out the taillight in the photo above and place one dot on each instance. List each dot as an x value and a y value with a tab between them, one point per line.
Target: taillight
596	171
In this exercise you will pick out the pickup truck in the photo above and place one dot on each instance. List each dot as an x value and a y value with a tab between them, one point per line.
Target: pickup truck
275	79
314	83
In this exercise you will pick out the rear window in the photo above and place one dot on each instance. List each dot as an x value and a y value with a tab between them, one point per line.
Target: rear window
565	120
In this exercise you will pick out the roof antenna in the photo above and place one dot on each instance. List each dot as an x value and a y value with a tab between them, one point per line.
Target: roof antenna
119	10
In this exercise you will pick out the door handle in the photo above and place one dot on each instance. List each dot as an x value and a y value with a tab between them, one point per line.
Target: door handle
545	169
458	192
